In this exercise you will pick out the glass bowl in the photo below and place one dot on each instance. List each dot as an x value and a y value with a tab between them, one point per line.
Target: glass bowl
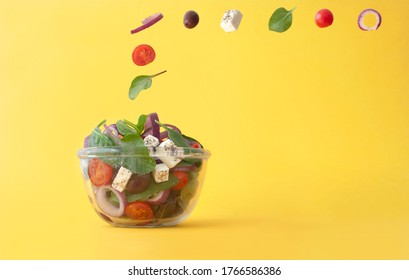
164	195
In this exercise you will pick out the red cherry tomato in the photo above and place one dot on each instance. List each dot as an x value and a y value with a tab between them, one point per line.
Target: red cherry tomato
139	210
324	18
143	54
99	172
183	178
195	145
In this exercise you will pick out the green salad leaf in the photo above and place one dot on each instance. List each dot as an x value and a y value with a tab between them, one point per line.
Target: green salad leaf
133	144
175	136
126	127
140	83
281	20
153	189
99	139
136	155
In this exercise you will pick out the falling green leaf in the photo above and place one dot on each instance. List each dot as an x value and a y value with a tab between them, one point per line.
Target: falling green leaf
140	83
281	20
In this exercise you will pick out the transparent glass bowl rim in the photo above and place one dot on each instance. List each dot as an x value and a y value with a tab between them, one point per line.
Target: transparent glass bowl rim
116	151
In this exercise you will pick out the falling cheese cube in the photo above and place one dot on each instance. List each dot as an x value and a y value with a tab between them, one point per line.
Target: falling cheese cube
231	20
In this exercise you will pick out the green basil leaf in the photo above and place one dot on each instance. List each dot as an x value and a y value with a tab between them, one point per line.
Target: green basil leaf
138	84
140	126
175	136
138	160
124	129
99	139
153	189
281	20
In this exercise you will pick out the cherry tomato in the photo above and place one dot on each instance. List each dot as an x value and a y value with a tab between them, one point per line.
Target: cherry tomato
143	54
324	18
182	177
99	172
195	145
139	210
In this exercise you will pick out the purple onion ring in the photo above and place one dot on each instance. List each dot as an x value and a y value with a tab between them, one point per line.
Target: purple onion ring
106	206
366	12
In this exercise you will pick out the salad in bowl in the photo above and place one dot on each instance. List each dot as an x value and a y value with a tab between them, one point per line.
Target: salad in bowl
144	174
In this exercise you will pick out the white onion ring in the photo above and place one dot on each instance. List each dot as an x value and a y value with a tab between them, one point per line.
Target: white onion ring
149	21
106	206
366	12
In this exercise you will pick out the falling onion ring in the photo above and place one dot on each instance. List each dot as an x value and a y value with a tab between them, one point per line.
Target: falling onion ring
366	12
106	206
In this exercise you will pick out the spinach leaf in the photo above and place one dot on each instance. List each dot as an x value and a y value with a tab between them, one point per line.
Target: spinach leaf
153	189
140	126
137	158
99	139
175	136
281	20
124	129
140	83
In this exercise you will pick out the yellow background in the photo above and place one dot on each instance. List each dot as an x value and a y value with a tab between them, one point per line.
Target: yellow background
308	129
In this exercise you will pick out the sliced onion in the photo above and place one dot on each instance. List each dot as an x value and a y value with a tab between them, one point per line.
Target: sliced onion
159	198
149	21
86	141
113	132
111	128
106	206
366	12
151	126
184	168
163	135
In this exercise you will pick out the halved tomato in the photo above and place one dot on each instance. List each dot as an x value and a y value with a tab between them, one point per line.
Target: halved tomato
139	210
143	54
183	177
99	172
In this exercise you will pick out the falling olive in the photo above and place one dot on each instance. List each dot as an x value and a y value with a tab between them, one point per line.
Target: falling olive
191	19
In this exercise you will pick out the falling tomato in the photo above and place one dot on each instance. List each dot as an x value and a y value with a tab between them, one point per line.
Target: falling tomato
143	54
324	18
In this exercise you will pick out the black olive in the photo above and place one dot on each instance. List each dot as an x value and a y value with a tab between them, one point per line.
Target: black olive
138	183
191	19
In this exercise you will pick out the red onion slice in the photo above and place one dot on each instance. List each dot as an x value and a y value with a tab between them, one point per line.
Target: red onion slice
114	135
113	129
86	141
151	126
149	21
362	16
184	168
106	206
159	198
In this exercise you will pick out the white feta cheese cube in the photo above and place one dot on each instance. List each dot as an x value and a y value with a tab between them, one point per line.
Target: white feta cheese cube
169	153
121	179
231	20
161	173
151	141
